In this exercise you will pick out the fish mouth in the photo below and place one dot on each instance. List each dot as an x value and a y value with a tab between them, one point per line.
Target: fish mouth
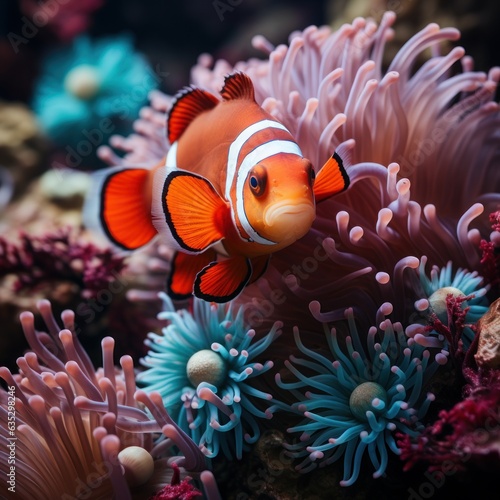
289	221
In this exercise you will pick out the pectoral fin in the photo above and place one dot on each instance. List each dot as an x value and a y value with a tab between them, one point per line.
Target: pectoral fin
194	211
331	179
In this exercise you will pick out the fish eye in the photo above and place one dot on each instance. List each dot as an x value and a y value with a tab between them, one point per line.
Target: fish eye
257	180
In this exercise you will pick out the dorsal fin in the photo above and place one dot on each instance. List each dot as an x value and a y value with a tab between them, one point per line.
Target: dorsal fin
188	104
237	86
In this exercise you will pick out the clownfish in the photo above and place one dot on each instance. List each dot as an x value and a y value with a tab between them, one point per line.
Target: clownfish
234	188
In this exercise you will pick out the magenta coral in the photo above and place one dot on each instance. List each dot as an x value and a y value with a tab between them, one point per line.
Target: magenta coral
58	256
448	335
469	431
490	259
177	489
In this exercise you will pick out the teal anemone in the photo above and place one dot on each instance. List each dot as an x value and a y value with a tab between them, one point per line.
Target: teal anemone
203	364
356	398
90	90
440	284
462	282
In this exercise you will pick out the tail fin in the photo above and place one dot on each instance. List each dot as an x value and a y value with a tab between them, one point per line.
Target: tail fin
119	206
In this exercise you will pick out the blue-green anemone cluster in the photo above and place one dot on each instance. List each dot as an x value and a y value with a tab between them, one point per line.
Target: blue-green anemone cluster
203	366
353	398
357	396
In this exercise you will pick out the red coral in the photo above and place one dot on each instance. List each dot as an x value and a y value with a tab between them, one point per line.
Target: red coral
177	489
453	331
59	256
65	19
490	259
495	220
468	431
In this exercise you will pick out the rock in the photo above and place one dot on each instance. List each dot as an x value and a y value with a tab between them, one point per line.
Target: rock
65	186
488	350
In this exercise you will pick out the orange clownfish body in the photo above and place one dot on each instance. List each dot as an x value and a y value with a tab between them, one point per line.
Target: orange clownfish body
234	188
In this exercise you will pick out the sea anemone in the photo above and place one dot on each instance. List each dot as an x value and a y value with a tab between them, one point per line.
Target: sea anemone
83	432
357	397
203	366
367	244
328	87
461	283
90	90
420	144
447	295
148	144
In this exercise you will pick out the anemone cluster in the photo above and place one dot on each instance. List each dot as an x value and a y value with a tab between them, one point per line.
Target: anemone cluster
85	433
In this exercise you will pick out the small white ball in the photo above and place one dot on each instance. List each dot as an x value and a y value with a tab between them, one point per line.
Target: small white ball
138	465
83	82
206	366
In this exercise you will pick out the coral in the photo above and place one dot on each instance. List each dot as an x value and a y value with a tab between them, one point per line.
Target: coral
64	19
177	489
490	259
23	148
451	335
203	364
467	433
76	427
356	398
58	256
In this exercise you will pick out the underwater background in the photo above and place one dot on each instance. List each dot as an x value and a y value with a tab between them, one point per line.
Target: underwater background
364	363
